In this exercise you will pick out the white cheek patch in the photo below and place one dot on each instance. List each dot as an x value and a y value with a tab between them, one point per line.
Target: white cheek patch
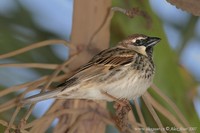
140	49
133	41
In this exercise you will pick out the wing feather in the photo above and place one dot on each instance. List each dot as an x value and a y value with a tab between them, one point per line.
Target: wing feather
99	65
102	63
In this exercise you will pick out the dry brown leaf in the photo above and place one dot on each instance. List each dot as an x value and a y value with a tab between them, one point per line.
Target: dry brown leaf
191	6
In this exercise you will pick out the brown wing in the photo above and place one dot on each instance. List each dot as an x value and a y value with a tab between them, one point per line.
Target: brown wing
110	57
102	63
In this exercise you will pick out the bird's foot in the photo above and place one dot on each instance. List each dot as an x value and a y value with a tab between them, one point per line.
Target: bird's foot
122	107
122	104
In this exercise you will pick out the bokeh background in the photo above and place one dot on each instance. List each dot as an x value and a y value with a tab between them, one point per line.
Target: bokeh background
24	22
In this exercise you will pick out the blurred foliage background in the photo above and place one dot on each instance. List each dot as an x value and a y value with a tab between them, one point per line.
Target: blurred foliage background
19	26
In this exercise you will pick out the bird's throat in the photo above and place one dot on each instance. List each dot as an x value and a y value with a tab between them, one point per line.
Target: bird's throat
140	49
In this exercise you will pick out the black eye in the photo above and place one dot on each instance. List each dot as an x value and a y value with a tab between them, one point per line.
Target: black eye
139	42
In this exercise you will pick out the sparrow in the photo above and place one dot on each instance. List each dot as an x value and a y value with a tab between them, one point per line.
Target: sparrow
125	71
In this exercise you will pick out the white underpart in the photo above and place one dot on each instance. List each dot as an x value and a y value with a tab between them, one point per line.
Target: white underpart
129	87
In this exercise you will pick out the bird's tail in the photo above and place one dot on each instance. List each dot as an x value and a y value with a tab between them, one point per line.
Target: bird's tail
40	97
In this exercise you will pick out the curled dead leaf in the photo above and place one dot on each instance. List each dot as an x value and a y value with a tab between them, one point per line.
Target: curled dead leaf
191	6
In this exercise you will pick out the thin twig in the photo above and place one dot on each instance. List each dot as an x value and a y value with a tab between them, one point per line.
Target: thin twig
54	115
39	84
13	118
21	86
164	112
172	105
152	111
134	12
31	65
133	120
118	9
34	46
8	105
113	98
104	24
139	112
78	121
4	123
40	125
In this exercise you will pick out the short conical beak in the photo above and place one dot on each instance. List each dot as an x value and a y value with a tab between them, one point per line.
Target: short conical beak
152	41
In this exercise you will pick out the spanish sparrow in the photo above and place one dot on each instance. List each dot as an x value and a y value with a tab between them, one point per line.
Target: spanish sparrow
124	72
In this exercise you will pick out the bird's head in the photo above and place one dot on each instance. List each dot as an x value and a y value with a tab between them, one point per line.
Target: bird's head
141	43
